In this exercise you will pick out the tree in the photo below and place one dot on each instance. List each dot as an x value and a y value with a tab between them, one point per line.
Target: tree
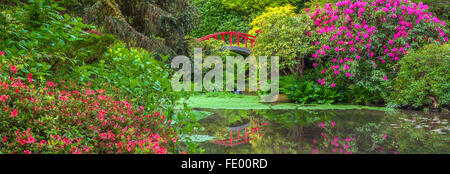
157	25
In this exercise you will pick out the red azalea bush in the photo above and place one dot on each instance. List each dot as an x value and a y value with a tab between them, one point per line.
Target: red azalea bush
67	118
362	41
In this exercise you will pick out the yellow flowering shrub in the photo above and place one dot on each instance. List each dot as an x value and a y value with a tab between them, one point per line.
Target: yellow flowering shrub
287	10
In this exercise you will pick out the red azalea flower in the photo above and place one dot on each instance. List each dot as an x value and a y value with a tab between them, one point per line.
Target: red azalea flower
30	77
14	69
14	113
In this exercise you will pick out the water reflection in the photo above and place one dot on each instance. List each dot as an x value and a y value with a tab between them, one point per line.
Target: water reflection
331	131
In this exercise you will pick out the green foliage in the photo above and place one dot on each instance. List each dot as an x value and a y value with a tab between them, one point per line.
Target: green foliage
213	47
269	14
137	73
366	95
307	91
37	37
215	18
423	79
64	117
311	4
209	47
256	6
285	36
368	66
146	81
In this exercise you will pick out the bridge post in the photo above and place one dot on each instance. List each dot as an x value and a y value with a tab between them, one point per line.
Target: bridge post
246	41
231	39
231	137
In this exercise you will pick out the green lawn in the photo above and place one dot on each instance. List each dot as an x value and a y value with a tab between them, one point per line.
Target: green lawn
246	102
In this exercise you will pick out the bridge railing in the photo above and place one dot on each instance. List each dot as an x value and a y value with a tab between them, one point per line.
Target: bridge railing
231	37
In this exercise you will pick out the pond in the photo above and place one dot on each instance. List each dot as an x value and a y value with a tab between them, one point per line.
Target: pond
323	132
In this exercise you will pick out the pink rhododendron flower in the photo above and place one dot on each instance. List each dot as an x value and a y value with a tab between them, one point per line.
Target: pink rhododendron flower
322	125
346	146
351	34
336	72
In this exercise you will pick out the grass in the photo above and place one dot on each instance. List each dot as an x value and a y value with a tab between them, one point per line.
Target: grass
246	102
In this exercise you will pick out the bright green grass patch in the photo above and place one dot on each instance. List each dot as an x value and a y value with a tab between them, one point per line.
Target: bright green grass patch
245	102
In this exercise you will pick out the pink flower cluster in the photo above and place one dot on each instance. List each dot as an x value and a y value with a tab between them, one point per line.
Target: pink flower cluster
334	142
67	118
381	31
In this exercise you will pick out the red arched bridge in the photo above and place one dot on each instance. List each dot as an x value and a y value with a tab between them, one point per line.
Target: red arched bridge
240	43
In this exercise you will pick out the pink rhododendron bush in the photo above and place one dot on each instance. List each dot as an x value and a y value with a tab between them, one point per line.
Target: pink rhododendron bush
65	117
360	42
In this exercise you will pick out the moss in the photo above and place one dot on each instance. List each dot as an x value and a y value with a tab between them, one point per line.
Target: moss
245	102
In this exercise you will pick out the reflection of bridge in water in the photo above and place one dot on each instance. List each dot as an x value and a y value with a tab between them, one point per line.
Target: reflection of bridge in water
242	44
239	139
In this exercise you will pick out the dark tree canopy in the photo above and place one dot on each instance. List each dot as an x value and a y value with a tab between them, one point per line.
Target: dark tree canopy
156	25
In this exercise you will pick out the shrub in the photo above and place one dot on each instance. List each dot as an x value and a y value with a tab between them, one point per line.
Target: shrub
423	79
38	38
312	4
360	42
269	15
146	81
306	91
284	35
65	117
257	6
